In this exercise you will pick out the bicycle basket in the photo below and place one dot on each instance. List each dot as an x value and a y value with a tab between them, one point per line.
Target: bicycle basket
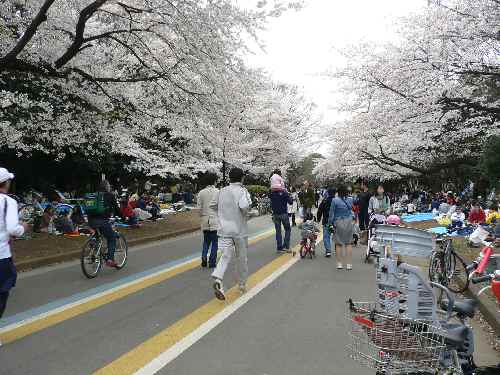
390	344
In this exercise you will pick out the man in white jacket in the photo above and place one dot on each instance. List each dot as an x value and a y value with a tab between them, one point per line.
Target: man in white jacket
209	223
232	204
9	227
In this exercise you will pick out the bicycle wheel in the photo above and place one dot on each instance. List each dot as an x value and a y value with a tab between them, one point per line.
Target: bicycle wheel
449	260
90	258
437	272
302	251
458	281
121	252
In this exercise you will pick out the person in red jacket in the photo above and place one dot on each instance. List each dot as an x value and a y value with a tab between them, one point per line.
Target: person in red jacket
127	212
476	214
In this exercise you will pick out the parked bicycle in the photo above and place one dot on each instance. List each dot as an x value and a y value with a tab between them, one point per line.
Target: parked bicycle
448	268
407	330
94	254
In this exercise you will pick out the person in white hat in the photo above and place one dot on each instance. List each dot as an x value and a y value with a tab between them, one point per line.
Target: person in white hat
9	227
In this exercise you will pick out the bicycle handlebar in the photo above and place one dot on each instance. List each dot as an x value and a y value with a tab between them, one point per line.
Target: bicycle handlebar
480	279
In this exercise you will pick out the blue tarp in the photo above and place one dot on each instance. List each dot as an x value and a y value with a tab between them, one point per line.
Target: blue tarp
423	216
438	230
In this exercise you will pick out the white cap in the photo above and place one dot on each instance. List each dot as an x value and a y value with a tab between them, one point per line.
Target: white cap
5	175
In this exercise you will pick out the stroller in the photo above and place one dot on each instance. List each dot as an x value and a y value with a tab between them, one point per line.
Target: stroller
371	249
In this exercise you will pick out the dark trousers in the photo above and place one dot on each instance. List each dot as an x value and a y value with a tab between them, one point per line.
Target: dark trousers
106	229
364	219
282	220
292	216
3	302
210	238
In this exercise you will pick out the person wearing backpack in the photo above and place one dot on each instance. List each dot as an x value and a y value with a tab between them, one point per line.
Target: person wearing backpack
103	206
9	227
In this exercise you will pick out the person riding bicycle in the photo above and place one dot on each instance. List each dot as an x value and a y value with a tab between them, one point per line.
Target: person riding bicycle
101	221
309	230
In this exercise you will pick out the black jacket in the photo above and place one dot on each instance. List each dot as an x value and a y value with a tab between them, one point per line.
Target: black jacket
324	210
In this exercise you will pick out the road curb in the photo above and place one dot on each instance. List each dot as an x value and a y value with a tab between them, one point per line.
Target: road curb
71	255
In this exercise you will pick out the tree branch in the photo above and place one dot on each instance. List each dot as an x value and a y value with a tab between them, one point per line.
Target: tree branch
29	33
74	48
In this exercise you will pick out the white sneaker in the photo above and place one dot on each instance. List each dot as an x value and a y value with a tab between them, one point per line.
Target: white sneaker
339	266
219	290
348	267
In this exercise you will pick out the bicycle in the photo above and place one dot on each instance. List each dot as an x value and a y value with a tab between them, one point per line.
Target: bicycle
448	268
94	255
308	246
405	332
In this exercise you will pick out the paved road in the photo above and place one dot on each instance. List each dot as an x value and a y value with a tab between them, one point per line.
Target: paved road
58	322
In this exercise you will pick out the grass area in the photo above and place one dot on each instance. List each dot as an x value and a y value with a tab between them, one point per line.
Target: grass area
43	244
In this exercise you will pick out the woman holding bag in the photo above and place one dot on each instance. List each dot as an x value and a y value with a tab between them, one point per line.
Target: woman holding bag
341	224
9	227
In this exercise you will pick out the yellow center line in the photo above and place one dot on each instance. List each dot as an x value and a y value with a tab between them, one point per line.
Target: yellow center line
140	356
34	326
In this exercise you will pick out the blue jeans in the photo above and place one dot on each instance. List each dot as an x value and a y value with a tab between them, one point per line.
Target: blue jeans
280	220
327	239
210	238
106	229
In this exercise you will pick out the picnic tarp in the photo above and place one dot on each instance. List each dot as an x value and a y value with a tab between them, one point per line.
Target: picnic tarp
422	216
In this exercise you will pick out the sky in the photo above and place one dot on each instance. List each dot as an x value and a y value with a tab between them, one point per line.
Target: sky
301	45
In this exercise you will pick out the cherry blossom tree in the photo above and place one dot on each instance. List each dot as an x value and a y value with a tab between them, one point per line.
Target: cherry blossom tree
426	103
134	78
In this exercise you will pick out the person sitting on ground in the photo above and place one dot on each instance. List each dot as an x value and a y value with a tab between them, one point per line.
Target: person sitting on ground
435	203
77	216
309	230
476	214
457	218
277	182
47	218
63	223
410	208
127	212
493	214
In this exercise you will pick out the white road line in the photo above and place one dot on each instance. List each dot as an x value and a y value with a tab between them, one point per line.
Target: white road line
174	351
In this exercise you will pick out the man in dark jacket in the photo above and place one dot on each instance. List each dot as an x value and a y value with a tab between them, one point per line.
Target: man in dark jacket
323	214
102	222
279	205
364	202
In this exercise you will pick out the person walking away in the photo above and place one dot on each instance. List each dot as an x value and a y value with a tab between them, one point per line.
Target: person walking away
208	218
364	202
379	203
279	206
9	227
308	198
232	204
99	218
341	219
293	207
323	215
